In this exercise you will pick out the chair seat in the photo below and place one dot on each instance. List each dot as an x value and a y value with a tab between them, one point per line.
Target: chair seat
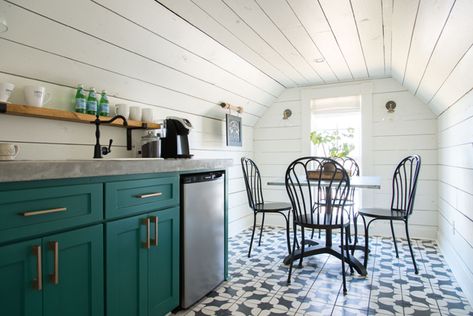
382	213
273	207
323	222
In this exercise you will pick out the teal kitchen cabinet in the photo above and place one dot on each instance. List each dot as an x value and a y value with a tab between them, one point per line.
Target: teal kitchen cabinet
142	268
20	275
73	273
57	275
27	210
163	270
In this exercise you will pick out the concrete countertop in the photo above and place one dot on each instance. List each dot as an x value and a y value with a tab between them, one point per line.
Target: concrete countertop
28	170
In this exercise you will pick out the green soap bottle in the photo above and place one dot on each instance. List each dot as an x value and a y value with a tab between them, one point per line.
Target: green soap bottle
104	106
80	102
92	102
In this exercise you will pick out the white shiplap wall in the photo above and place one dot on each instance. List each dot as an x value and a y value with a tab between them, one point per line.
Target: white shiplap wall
142	54
455	137
412	129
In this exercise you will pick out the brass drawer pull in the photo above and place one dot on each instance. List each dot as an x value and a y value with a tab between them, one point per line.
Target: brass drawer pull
42	212
54	246
145	196
38	282
147	222
154	242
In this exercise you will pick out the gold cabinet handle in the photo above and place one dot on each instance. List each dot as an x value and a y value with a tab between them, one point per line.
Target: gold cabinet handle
147	243
54	246
38	282
154	242
145	196
42	212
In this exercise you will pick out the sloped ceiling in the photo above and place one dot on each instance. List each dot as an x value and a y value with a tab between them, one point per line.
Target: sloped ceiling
425	45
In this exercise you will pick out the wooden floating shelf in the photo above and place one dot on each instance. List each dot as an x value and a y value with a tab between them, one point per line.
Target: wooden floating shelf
61	115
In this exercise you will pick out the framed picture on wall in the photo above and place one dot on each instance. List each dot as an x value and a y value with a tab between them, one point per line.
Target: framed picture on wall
233	130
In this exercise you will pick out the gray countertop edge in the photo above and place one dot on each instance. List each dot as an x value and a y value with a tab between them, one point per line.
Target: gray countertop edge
29	170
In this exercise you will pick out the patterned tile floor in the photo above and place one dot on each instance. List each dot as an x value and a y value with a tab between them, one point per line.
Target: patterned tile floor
257	285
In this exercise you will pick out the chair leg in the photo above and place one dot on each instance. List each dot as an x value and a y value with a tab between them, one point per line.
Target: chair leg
365	262
349	228
295	236
355	239
394	239
410	248
348	233
261	231
302	246
355	224
252	234
287	233
348	252
343	262
292	255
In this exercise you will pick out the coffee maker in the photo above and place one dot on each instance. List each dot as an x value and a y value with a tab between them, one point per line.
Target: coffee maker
174	139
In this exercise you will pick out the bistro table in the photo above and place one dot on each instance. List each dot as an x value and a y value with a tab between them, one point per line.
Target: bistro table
318	246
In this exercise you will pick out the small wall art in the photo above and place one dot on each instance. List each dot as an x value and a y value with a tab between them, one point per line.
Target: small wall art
234	129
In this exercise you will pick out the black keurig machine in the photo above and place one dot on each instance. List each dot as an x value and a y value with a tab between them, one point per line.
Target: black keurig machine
175	142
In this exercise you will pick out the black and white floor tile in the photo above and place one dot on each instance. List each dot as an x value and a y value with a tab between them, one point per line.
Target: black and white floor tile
257	285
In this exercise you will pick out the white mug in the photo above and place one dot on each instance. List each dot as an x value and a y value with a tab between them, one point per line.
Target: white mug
123	110
148	115
8	151
135	113
6	89
36	96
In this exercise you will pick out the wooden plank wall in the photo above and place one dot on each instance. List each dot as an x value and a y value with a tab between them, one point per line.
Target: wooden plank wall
412	129
455	131
142	54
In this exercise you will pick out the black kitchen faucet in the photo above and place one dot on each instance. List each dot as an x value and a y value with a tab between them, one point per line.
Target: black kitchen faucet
98	150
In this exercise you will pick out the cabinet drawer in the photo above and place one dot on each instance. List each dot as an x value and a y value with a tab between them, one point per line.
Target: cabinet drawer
124	198
31	211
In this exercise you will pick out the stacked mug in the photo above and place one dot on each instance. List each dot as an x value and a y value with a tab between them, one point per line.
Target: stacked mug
8	151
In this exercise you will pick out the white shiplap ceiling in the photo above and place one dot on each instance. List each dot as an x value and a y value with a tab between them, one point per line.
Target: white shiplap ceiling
424	44
299	42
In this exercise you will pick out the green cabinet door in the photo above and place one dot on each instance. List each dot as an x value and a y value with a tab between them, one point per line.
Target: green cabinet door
127	267
18	278
73	275
163	266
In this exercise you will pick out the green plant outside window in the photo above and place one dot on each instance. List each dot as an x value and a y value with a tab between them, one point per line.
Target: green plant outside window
334	142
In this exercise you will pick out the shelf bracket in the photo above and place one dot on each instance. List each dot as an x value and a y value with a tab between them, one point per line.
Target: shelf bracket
129	134
3	107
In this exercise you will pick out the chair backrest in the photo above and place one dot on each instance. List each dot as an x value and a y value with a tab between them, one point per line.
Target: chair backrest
311	180
252	177
352	169
405	184
349	164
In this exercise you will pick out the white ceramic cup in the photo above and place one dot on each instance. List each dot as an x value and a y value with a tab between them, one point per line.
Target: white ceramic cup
135	113
6	89
36	96
123	110
148	115
8	151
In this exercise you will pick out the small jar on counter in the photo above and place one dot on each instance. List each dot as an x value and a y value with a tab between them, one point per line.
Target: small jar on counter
150	145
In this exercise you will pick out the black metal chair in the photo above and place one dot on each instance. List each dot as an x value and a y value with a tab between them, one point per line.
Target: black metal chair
404	187
254	190
310	180
352	168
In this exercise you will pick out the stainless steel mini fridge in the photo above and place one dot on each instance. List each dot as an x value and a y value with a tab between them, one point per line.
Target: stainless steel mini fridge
202	235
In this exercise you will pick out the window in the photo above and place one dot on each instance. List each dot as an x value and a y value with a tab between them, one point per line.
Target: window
337	126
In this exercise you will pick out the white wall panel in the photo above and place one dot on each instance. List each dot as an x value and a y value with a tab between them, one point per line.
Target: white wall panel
404	19
429	24
456	189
